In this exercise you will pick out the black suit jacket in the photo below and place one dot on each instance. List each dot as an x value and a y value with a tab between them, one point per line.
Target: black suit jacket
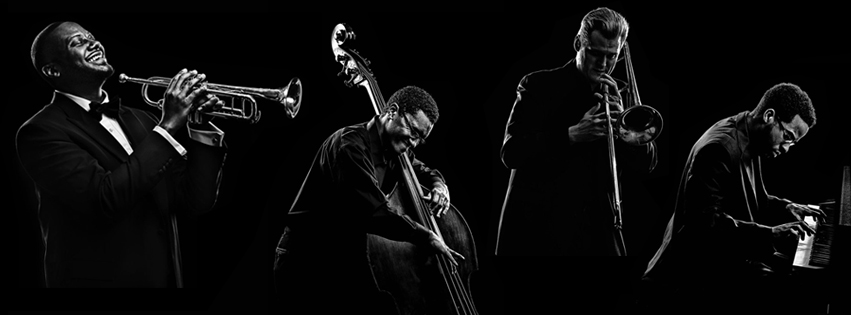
559	192
104	215
720	228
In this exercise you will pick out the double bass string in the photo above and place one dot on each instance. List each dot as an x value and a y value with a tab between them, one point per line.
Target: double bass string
454	284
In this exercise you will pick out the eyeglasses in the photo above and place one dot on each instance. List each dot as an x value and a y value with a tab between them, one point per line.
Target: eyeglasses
418	137
788	135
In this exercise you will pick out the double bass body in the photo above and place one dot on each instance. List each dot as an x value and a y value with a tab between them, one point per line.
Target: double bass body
411	275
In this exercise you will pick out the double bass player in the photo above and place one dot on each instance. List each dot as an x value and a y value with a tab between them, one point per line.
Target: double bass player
321	263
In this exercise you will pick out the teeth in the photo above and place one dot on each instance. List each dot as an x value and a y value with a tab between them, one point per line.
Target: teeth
95	56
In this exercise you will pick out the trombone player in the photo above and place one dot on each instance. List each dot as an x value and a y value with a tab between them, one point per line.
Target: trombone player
110	178
558	200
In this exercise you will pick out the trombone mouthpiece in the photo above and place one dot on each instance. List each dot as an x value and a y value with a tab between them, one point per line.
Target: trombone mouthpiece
122	78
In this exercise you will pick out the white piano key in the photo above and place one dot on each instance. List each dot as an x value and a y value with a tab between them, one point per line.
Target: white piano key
802	254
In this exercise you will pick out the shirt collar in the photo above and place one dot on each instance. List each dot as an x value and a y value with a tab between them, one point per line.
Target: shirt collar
84	103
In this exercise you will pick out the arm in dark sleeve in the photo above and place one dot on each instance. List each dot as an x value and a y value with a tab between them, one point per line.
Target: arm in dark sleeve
62	167
428	177
525	140
199	177
777	213
354	169
709	183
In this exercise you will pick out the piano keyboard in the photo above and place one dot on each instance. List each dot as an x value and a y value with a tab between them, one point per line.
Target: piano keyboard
814	251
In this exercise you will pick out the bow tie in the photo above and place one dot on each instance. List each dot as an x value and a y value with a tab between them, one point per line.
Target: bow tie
109	109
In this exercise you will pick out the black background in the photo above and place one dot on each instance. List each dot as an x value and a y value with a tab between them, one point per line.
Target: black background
694	64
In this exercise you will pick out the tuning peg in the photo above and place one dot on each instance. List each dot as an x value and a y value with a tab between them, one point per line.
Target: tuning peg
344	34
341	58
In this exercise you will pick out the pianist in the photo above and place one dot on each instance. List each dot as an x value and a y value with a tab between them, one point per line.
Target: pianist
719	246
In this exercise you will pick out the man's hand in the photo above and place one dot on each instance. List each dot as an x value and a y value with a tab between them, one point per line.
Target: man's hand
799	229
614	94
185	93
199	118
593	124
800	211
436	242
438	198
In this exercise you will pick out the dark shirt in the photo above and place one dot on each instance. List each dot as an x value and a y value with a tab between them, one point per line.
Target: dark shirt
344	197
723	214
557	201
346	189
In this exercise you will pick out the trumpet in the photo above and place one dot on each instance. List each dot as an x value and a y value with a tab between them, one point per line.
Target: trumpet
289	96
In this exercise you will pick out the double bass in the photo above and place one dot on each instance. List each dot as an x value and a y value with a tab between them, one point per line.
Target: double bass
418	283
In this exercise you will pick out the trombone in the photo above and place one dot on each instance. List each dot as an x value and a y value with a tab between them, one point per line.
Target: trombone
289	96
638	124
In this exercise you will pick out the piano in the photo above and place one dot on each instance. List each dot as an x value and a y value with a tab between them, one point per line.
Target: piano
822	260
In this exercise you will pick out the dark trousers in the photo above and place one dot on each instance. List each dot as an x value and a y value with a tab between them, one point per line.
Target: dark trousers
323	279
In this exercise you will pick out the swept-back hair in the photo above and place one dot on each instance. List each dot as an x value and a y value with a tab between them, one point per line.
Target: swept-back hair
611	24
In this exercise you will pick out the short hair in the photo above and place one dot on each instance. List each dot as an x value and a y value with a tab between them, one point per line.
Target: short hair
788	100
38	51
611	24
412	99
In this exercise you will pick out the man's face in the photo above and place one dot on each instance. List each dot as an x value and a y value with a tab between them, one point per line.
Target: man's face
406	131
781	136
77	54
599	56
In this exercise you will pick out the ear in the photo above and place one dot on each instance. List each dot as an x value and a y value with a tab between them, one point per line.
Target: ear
768	116
50	70
576	43
392	109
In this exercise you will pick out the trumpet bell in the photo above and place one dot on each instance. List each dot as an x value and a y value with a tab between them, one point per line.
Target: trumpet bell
639	125
291	97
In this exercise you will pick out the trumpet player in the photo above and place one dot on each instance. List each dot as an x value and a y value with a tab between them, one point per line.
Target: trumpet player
557	203
111	179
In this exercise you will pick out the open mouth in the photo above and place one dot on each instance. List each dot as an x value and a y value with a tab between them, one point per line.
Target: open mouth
95	56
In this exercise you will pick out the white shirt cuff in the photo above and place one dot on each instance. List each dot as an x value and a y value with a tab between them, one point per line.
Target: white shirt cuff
180	149
209	137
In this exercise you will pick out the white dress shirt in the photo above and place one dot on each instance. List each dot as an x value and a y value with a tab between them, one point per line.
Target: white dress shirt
211	138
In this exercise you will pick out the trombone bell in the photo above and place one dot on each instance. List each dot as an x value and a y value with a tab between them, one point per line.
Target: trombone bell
639	125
